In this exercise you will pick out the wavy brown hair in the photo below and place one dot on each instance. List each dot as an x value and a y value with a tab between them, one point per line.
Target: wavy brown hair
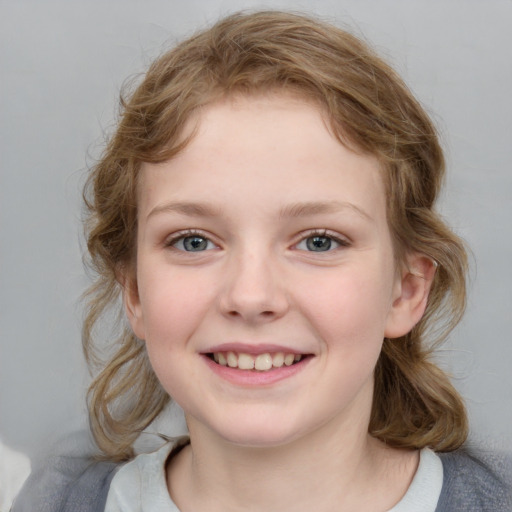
372	111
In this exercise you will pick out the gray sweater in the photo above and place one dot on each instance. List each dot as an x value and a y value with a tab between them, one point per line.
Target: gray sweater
80	484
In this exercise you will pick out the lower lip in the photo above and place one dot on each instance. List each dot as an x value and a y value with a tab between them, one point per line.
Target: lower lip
254	378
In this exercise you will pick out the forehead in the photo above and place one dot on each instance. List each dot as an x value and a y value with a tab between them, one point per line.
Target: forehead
264	150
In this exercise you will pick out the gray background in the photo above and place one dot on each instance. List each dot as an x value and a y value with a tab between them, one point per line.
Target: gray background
62	64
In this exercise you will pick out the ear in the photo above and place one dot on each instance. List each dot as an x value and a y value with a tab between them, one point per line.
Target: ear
410	295
131	301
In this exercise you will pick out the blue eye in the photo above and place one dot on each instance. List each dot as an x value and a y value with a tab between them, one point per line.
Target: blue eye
193	243
320	243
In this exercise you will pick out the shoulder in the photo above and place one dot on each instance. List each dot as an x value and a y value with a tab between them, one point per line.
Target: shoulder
62	484
142	481
476	482
73	482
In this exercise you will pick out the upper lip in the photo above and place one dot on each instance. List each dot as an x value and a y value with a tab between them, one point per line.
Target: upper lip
253	349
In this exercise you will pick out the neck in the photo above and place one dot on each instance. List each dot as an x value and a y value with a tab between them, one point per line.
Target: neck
331	469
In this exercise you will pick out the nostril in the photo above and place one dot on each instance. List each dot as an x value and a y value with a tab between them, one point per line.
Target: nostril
265	314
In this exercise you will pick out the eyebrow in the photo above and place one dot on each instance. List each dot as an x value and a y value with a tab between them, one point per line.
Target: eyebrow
301	209
318	207
185	208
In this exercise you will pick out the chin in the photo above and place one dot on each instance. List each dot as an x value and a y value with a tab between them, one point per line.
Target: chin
258	434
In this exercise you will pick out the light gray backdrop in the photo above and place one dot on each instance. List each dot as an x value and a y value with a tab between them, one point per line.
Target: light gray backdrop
62	63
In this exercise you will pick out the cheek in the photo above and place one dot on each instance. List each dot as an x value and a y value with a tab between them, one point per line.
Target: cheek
172	305
348	317
349	308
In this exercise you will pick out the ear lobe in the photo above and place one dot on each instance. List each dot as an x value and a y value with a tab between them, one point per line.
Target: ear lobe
132	305
411	297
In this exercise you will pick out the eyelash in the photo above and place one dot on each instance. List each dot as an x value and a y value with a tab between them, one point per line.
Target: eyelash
324	233
317	233
182	235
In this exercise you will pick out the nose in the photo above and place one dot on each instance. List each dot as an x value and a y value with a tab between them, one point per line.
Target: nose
254	290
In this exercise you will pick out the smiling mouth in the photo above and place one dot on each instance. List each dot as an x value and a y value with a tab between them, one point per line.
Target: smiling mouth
260	362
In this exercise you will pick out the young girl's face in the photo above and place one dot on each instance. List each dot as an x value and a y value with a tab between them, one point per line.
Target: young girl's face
264	242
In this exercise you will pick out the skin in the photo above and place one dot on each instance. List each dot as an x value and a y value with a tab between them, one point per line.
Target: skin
261	177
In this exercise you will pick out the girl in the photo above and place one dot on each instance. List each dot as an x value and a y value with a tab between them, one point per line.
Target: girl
266	211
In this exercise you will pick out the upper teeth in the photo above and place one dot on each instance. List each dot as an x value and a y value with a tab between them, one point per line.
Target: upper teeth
260	362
